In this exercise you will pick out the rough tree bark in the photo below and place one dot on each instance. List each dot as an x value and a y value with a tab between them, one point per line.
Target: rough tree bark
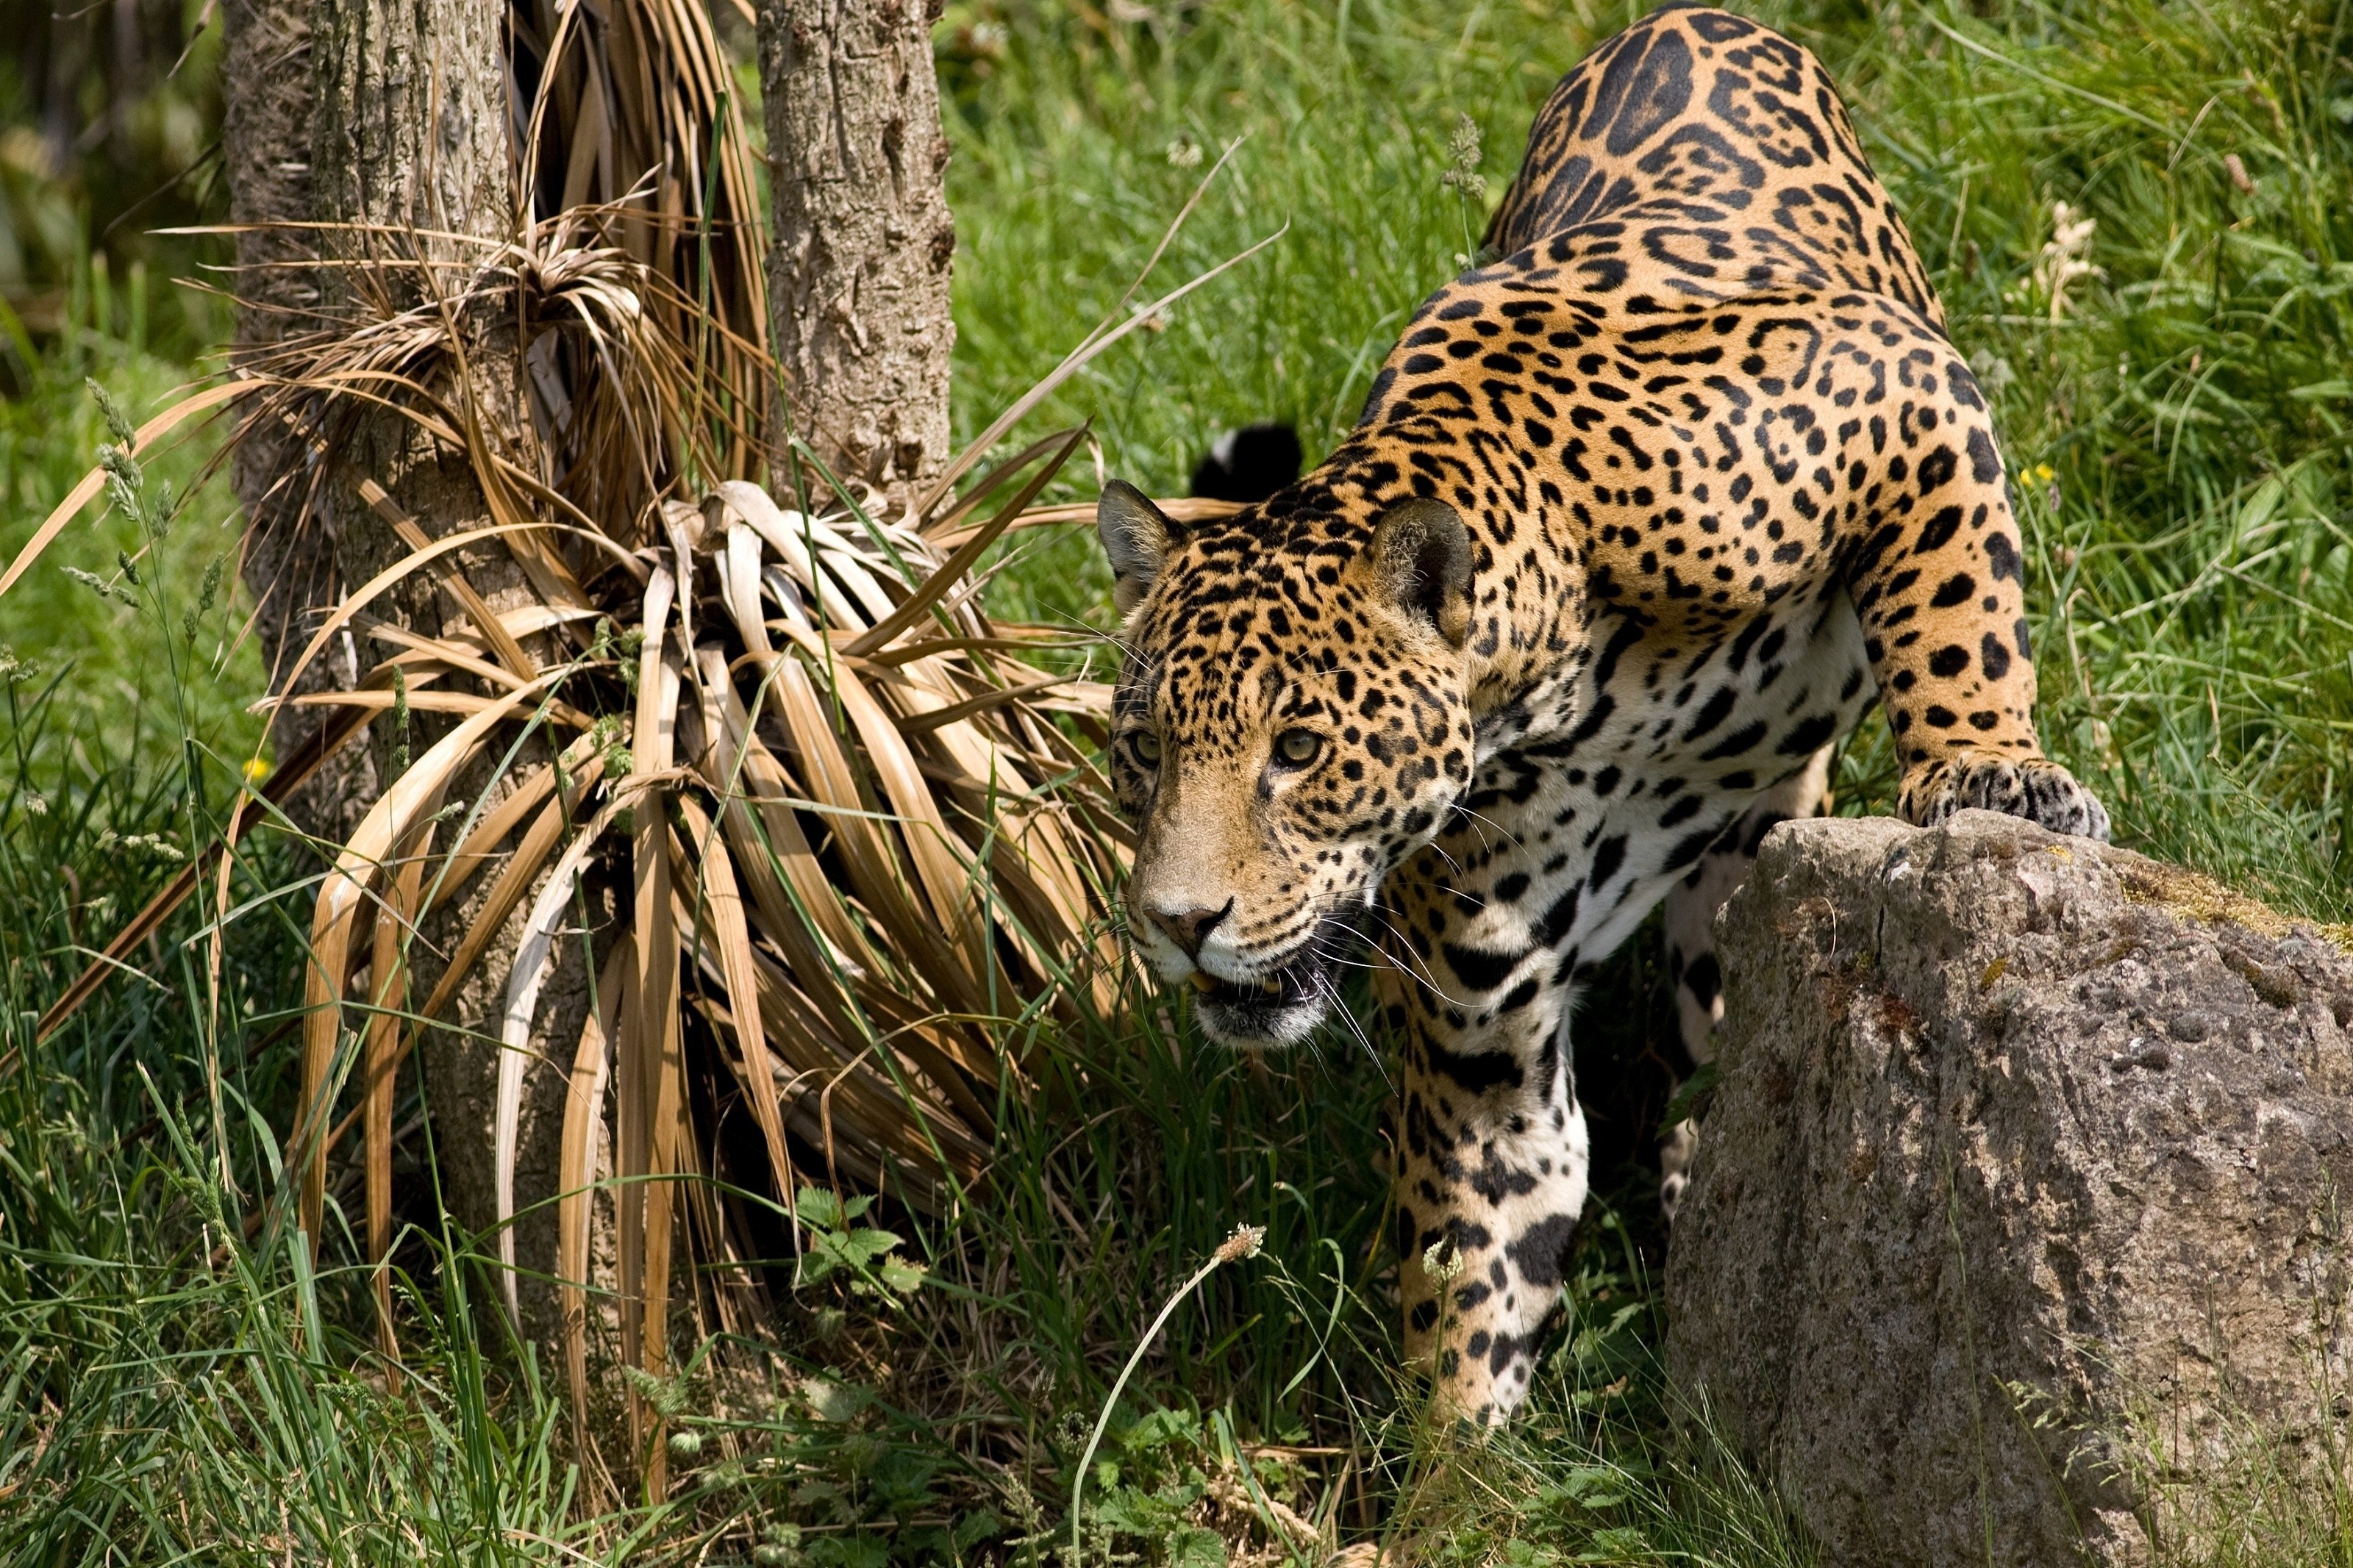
408	136
343	112
862	240
289	561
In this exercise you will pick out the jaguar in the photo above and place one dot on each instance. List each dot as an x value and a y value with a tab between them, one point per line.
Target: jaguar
1643	512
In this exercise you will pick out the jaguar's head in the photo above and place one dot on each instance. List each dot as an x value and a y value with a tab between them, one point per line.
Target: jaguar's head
1292	722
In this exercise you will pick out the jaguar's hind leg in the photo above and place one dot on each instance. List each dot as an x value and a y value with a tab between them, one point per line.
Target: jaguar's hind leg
1690	919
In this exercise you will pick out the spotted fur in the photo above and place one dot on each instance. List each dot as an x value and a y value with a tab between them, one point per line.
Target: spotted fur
1637	521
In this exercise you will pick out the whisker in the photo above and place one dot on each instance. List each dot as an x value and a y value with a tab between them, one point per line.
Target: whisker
1505	834
1411	964
1356	1029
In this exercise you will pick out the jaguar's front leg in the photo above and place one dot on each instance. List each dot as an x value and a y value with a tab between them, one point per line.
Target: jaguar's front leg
1492	1175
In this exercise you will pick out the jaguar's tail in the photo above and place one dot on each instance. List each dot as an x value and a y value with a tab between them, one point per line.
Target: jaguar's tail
1248	465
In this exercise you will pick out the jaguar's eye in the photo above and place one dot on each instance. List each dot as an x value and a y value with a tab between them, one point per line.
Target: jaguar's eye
1297	748
1144	746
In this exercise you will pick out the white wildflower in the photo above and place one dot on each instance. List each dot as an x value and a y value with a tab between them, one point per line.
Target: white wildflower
2065	258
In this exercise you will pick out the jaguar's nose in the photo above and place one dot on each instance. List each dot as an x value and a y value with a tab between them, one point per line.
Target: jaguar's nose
1189	929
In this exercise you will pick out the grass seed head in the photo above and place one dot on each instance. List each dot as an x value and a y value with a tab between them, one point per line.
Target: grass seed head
1245	1242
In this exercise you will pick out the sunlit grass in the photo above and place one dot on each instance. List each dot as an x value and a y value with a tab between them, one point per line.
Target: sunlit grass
117	655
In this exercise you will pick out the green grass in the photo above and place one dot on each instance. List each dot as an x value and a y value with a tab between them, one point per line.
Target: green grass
166	1393
128	662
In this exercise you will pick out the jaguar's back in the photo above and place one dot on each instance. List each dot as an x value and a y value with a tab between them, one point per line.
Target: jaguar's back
1699	153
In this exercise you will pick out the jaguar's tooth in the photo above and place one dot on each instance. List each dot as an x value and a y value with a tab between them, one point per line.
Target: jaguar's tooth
1272	984
1202	981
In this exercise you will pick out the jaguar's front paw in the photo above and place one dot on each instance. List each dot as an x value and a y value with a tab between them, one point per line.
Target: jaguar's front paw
2035	788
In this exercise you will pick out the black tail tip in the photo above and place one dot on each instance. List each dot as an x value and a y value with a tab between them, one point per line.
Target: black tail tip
1249	465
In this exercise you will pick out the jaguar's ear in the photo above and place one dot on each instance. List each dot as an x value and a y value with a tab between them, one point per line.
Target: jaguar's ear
1422	557
1136	536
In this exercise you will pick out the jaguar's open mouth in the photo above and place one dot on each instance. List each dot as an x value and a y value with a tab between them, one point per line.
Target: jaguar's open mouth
1280	1007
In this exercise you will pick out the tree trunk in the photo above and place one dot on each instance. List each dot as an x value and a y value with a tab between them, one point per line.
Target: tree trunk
388	119
345	112
409	144
858	271
411	135
289	557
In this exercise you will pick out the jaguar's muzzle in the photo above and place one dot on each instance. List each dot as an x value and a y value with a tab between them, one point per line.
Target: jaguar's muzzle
1283	1006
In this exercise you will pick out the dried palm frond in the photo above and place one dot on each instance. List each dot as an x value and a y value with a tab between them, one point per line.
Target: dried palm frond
634	139
860	841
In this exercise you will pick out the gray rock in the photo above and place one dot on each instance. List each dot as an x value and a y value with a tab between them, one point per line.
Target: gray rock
2020	1187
